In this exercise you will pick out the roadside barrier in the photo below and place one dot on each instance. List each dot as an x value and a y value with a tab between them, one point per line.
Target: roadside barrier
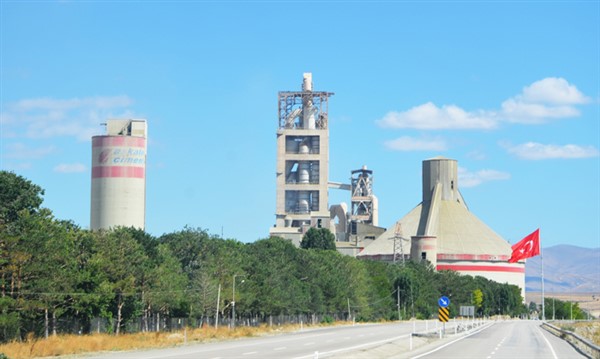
581	344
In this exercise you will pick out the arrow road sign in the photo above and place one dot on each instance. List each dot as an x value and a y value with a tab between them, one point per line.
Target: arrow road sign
444	301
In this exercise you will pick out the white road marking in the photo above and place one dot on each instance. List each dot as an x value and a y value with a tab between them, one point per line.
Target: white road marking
389	340
249	353
547	342
309	343
454	341
280	348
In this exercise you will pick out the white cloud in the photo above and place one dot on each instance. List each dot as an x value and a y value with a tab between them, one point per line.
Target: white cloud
50	104
476	155
430	117
546	99
70	168
472	179
77	117
21	151
406	143
538	151
554	91
517	111
543	100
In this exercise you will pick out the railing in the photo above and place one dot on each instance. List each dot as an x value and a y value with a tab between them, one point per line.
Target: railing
581	344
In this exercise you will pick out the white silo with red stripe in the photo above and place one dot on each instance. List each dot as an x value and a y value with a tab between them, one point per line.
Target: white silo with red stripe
118	196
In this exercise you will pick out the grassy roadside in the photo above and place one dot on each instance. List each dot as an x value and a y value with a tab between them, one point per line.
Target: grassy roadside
586	329
79	344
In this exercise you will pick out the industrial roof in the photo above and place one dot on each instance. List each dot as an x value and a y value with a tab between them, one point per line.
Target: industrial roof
458	231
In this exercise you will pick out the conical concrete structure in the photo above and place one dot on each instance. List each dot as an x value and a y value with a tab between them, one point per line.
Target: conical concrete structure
443	231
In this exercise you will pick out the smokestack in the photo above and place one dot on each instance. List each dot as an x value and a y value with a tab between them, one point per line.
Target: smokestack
445	172
307	82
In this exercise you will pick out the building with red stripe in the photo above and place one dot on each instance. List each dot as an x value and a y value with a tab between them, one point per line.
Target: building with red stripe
118	194
443	231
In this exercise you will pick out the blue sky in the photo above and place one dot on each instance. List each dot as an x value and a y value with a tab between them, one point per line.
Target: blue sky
510	90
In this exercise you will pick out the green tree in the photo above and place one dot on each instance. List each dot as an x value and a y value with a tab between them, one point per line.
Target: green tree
88	301
17	194
120	259
318	238
477	299
187	245
563	310
53	268
275	285
167	283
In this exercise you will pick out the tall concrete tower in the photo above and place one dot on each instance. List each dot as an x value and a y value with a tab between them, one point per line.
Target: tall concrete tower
302	162
119	175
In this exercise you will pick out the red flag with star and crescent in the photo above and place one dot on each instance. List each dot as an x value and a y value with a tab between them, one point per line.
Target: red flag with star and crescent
526	248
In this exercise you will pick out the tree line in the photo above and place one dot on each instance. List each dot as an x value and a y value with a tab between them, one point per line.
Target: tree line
51	269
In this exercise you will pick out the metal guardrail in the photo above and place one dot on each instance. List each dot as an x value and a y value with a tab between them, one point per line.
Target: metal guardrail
583	345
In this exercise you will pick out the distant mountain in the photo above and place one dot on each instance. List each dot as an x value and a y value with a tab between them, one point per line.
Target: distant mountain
567	268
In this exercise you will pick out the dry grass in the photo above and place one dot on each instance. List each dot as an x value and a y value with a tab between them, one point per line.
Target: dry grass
78	344
586	329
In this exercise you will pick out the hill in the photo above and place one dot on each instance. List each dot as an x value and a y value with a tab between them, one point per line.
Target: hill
567	268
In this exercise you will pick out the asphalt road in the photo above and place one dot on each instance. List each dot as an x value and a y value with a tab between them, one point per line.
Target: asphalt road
304	344
509	339
505	339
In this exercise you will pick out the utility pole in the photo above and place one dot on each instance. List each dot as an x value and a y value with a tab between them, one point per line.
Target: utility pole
217	313
349	314
398	301
233	300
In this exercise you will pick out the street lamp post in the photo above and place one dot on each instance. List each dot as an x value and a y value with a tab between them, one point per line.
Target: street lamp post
233	299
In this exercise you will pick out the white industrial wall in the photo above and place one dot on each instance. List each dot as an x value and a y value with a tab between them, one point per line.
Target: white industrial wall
501	272
118	196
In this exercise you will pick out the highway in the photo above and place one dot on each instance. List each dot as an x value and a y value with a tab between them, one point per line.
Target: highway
508	339
505	339
303	344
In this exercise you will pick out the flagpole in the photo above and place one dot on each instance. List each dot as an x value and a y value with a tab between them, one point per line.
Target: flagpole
543	301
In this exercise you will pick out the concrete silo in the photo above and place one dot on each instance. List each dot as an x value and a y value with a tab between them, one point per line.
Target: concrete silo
444	232
118	196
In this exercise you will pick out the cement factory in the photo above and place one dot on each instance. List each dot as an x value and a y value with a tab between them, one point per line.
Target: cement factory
440	229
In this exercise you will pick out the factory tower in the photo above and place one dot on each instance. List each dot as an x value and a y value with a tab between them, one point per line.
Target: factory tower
118	195
302	162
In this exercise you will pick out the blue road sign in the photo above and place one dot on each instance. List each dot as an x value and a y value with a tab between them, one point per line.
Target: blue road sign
444	301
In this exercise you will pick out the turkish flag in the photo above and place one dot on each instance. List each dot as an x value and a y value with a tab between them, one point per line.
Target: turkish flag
527	247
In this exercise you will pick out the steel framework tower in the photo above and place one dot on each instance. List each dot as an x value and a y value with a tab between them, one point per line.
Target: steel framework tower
302	162
364	203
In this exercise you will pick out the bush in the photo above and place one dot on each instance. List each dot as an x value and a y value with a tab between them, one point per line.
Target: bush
327	320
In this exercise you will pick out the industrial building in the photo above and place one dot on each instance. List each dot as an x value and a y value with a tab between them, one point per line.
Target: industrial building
118	196
302	162
440	230
443	231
